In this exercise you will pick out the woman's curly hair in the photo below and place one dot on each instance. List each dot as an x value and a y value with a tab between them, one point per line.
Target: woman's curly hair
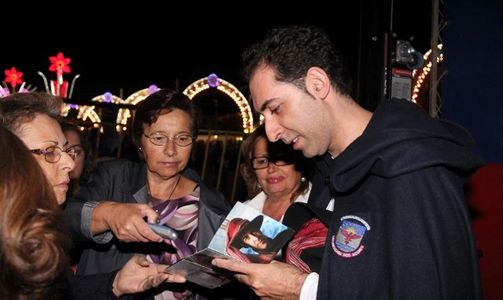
33	241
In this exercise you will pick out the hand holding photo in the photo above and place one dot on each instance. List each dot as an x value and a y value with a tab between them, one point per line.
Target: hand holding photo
246	235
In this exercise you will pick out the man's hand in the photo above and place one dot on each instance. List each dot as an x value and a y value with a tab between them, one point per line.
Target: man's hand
126	220
139	275
275	280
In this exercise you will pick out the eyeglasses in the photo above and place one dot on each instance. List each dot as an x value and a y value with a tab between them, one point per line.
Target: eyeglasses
53	154
262	162
160	139
78	150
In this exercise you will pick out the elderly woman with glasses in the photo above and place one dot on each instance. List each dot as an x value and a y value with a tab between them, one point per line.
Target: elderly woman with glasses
33	118
277	173
164	129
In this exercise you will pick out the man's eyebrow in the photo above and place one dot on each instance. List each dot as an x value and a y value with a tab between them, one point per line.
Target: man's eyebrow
264	105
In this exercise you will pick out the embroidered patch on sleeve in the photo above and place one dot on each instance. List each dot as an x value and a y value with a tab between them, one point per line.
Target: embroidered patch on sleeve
348	240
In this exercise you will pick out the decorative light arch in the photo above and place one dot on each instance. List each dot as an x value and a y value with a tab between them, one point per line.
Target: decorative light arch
121	121
420	75
124	114
212	81
84	112
140	95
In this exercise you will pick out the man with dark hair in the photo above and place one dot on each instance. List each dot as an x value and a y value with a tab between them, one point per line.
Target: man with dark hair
400	228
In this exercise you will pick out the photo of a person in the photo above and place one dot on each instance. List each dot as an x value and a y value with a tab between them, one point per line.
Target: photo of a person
247	242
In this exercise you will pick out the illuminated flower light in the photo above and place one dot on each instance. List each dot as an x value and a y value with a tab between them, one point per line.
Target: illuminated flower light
213	80
60	64
108	97
14	77
152	89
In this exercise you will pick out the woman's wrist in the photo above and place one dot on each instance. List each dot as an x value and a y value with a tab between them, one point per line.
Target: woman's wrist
115	287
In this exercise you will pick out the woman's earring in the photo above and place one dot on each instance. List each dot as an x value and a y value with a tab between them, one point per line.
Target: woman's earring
303	179
259	186
140	149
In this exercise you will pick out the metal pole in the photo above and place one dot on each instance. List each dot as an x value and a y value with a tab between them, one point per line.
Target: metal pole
206	151
388	49
119	149
222	160
236	174
434	105
98	136
97	144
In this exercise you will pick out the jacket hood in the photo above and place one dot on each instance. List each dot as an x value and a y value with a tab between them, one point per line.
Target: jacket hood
401	138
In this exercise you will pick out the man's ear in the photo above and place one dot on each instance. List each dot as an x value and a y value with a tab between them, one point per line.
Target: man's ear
317	82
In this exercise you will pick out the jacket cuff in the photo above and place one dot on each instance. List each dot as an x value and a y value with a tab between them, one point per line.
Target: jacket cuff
85	224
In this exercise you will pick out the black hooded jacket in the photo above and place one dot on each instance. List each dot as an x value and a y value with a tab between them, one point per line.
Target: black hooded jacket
400	228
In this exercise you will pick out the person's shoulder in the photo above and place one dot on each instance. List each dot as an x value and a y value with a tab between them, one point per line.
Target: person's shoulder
209	192
213	199
257	202
191	174
118	164
121	168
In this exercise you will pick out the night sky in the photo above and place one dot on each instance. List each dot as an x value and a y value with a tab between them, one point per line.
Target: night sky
129	50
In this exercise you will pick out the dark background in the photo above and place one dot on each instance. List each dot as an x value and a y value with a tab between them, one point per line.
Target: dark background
127	49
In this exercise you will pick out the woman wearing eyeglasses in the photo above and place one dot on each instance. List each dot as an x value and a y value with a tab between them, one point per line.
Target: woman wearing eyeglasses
33	118
164	129
281	173
278	172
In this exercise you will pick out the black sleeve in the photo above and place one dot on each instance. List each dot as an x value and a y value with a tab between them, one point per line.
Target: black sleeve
96	287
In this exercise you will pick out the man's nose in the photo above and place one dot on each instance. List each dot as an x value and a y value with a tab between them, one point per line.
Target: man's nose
272	130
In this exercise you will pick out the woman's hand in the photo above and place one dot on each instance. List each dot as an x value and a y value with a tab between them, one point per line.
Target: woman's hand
139	275
126	220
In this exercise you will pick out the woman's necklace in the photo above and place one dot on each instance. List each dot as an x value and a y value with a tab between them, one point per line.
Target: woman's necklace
155	201
174	187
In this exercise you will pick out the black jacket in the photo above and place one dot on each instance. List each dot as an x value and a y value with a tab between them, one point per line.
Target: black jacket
400	228
96	287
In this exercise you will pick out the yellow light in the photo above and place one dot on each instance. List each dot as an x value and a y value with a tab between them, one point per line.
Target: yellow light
424	72
230	90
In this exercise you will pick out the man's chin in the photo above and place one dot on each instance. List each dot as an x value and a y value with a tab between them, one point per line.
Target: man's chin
308	152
